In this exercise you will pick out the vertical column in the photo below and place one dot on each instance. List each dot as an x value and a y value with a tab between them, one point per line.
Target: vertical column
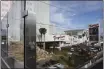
0	39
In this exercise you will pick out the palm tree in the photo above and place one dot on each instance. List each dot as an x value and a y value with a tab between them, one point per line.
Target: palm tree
40	30
54	43
43	31
83	35
39	37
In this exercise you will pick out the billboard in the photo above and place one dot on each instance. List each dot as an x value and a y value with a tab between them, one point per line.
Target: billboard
94	32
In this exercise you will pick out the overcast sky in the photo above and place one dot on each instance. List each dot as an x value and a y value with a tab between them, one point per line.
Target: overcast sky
75	14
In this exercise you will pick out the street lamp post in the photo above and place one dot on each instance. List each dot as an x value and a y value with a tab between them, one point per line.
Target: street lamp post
7	33
71	38
54	43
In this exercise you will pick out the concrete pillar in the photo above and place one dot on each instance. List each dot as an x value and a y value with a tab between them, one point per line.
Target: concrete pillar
0	39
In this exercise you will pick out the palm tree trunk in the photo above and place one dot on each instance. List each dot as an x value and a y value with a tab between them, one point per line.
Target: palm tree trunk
54	45
44	42
41	40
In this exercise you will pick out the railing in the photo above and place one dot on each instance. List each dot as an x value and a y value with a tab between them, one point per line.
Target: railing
99	60
9	62
4	53
4	63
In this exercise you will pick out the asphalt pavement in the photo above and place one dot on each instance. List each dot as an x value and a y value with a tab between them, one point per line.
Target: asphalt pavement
98	65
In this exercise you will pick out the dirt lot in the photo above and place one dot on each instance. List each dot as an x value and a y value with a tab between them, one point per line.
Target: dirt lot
16	49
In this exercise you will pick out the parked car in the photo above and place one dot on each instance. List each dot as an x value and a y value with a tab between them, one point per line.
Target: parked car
95	50
56	66
52	67
59	65
99	44
69	53
72	49
79	50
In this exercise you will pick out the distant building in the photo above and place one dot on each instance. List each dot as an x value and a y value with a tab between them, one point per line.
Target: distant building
78	36
94	33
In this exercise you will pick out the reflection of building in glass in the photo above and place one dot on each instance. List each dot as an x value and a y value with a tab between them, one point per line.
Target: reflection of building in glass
11	20
14	19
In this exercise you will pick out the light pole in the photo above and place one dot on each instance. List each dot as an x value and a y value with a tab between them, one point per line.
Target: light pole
54	43
71	39
7	33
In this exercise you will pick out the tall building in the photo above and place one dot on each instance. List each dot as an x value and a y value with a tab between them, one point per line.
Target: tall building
42	10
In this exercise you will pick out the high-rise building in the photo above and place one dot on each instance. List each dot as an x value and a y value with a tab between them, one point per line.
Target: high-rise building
42	10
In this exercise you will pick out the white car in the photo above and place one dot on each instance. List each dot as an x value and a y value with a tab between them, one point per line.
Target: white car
59	65
52	67
98	44
69	53
92	48
95	50
72	49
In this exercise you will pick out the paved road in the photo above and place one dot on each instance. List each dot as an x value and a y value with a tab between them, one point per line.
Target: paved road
98	66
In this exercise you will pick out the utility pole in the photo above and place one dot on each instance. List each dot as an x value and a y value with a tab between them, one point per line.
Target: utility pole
71	38
54	44
7	33
24	35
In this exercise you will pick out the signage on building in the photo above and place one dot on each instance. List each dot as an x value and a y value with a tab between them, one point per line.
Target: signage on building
59	37
94	25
